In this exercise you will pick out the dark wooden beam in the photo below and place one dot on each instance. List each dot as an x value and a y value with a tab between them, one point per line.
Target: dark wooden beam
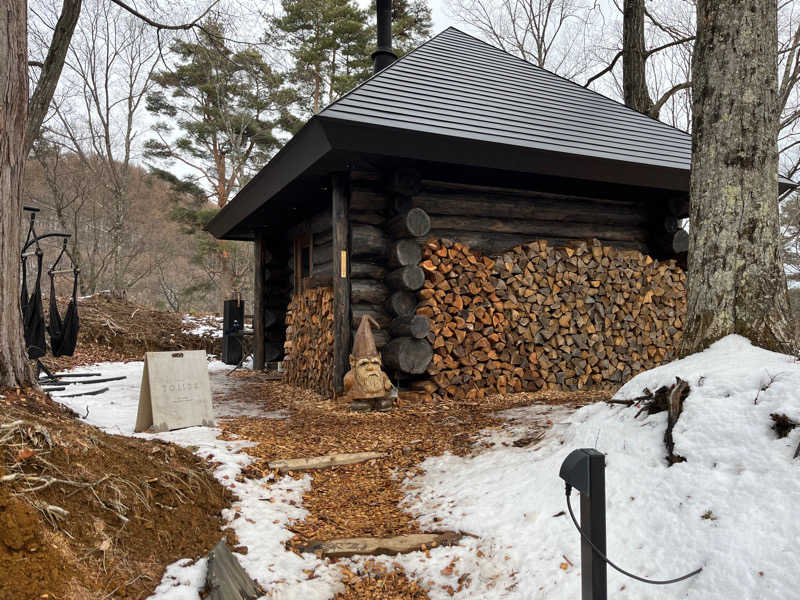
340	217
261	258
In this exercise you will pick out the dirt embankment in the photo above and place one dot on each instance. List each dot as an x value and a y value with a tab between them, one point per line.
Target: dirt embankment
117	330
87	515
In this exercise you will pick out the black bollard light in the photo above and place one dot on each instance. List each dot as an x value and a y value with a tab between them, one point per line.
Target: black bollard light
584	470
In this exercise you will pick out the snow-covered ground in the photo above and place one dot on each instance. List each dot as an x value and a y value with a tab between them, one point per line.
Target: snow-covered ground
731	508
266	507
203	326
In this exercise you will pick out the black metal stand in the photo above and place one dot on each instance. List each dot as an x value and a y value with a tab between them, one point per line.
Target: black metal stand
584	470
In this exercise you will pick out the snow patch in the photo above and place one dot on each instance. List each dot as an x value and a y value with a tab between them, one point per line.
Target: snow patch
265	507
731	508
209	326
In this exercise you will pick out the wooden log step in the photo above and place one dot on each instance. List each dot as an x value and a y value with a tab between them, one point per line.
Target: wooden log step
323	462
412	223
401	544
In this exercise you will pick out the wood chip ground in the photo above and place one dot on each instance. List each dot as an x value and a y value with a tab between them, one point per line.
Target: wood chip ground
362	500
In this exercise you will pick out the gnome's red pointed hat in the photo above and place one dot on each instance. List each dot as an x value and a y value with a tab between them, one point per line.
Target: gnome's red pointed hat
364	344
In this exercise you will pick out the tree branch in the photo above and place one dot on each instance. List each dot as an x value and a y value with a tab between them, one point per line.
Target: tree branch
157	25
604	71
667	95
669	45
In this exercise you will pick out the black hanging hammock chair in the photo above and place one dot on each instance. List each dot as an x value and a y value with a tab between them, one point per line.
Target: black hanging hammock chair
64	332
32	311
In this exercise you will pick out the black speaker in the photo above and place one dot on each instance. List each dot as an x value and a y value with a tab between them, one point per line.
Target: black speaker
232	323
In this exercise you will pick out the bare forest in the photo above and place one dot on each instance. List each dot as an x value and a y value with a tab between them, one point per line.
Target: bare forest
151	130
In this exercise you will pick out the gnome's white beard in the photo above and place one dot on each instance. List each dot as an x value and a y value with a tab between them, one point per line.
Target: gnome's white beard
370	378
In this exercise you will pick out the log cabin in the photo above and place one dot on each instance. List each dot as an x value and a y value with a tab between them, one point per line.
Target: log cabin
458	141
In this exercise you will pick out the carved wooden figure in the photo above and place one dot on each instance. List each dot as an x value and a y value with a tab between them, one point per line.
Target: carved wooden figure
365	384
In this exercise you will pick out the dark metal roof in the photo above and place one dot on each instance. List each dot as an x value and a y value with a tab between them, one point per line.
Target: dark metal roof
457	85
457	101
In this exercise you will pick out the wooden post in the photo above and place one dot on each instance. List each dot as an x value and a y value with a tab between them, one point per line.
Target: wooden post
258	300
340	211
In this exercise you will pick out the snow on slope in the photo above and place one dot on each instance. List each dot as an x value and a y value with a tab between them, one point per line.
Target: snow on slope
731	508
266	506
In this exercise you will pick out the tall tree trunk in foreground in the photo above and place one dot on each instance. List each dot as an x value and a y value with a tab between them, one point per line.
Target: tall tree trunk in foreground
736	278
14	369
634	58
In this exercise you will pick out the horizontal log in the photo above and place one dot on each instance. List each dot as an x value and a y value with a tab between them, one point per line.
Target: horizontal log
415	326
412	223
535	228
368	291
410	278
323	238
322	275
366	240
376	312
541	208
496	243
405	252
402	303
407	355
406	182
367	199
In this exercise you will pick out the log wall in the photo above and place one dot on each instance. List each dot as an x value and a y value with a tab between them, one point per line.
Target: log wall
538	317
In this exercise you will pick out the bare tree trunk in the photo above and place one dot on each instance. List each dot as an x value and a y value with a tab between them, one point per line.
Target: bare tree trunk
634	58
736	279
14	369
51	69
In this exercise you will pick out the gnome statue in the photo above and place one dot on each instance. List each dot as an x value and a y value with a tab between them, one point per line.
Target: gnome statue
365	384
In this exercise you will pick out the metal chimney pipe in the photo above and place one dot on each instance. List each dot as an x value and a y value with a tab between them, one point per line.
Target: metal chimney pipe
383	55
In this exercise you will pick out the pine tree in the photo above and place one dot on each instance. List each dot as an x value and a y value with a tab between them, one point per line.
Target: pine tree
411	24
226	106
329	41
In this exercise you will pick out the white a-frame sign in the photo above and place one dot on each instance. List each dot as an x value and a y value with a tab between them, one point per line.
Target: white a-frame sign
175	391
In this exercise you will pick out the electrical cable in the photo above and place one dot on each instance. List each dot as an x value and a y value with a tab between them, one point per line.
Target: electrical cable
606	559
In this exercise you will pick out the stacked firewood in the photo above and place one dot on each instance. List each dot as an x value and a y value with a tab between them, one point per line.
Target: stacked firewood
574	317
468	329
309	340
